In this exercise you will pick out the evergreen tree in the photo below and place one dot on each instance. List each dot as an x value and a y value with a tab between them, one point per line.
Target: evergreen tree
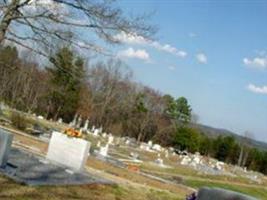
67	77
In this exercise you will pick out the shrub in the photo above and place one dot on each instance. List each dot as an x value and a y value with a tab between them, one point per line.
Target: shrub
18	121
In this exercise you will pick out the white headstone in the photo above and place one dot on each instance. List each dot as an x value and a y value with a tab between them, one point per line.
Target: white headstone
186	160
93	129
104	135
95	133
159	161
110	139
40	117
69	151
60	120
104	150
74	121
150	143
156	147
85	127
79	122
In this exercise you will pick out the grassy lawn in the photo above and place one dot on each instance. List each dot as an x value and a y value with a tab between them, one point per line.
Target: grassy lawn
11	190
255	191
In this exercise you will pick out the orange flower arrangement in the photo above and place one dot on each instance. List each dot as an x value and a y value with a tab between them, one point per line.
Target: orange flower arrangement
73	133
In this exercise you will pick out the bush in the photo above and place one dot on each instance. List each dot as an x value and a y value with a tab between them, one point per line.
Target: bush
18	121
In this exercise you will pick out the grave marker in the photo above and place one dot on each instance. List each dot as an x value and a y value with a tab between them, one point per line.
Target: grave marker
5	146
69	151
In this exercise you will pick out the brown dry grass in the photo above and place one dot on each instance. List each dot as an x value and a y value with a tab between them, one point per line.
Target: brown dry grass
10	190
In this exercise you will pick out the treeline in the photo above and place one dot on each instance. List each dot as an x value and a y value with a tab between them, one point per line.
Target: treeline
106	94
226	149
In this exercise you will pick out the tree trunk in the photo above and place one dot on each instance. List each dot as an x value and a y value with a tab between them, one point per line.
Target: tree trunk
9	15
240	156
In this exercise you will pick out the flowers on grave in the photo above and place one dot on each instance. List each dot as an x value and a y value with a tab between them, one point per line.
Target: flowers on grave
73	133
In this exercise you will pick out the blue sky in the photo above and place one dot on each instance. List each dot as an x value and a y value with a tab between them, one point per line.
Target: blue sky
212	52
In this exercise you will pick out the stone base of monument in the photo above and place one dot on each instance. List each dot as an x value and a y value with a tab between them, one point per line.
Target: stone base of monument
26	168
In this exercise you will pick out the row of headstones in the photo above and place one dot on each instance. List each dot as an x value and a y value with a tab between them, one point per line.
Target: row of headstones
197	161
77	124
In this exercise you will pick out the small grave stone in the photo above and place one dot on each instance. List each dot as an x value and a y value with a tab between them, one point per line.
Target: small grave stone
85	127
95	133
79	122
60	121
5	146
110	139
159	161
93	129
134	155
40	117
104	150
74	121
104	135
186	160
156	147
150	143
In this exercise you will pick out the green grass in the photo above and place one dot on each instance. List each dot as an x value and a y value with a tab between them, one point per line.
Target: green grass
259	192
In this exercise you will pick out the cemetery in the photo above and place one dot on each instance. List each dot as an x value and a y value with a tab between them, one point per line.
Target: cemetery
63	155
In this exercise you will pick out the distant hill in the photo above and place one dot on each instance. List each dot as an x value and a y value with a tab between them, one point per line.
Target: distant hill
215	132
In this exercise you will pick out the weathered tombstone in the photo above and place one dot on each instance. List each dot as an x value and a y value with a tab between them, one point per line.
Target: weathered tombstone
206	193
5	146
110	139
95	133
74	121
60	121
93	129
79	122
159	161
104	135
134	155
186	160
69	151
85	127
156	147
150	144
104	150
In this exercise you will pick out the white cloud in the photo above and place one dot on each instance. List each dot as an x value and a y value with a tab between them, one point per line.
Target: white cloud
171	67
136	39
257	62
202	58
256	89
192	35
131	53
43	5
169	49
130	38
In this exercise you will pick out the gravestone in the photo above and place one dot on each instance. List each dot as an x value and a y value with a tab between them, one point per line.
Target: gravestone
103	151
85	127
110	139
69	151
5	146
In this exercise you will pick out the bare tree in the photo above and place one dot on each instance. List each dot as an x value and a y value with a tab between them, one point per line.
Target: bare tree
244	145
37	24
